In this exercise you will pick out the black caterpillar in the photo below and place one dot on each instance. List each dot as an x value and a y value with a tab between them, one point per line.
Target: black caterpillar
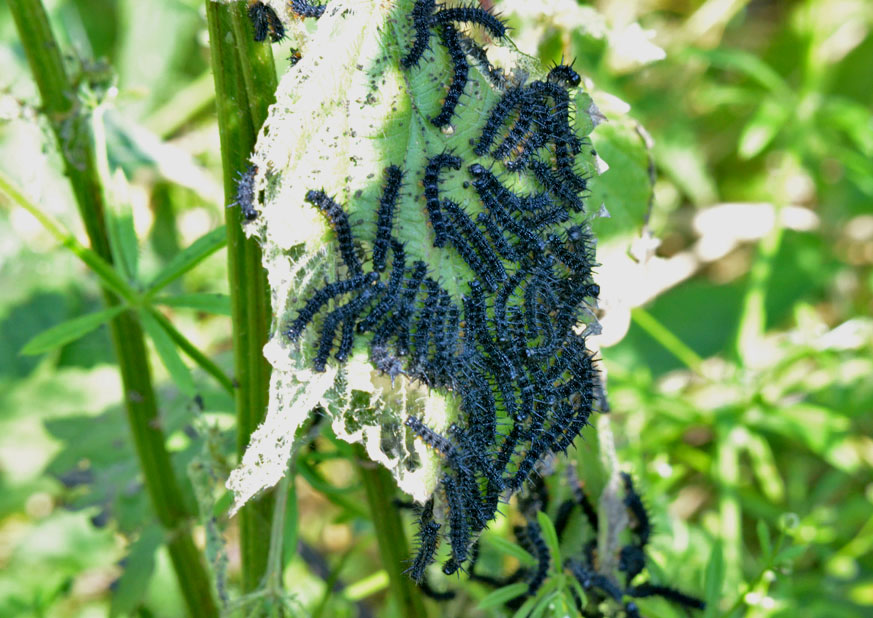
526	381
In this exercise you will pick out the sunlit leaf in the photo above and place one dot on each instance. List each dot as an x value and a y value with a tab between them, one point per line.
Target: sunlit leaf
511	549
217	304
762	128
713	581
764	539
502	595
119	227
189	257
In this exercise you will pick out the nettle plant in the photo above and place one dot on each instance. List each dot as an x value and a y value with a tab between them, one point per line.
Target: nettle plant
423	194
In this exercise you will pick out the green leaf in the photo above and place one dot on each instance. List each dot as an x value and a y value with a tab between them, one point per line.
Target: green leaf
853	119
748	64
217	304
166	349
543	604
525	610
511	549
820	428
550	589
188	258
500	596
68	331
318	482
682	159
789	554
550	536
764	539
579	591
765	468
222	504
120	229
139	564
626	187
762	128
713	581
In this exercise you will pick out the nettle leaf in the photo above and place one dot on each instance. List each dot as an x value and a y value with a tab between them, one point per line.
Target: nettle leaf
139	565
422	207
626	188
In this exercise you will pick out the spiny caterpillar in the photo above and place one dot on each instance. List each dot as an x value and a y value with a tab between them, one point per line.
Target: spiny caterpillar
449	37
245	193
385	217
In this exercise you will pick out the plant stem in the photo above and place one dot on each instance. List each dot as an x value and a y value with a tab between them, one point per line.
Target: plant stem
70	127
245	85
389	533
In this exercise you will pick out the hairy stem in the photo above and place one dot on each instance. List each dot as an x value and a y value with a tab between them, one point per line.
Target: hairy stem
245	85
70	127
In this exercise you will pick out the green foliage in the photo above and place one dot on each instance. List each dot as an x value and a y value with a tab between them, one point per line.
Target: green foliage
753	456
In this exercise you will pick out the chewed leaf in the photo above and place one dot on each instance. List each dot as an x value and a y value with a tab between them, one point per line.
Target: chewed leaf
424	226
265	461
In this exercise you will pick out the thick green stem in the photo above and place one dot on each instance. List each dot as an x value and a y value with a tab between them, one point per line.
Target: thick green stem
389	533
245	85
71	130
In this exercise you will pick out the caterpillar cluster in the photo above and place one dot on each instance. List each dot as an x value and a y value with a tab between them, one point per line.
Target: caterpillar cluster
582	563
426	18
506	348
632	560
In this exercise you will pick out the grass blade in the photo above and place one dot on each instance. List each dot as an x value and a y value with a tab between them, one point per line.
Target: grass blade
166	350
188	258
69	331
502	595
713	581
192	351
216	304
511	549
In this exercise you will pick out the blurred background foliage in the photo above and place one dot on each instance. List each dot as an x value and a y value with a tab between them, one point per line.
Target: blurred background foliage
737	329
